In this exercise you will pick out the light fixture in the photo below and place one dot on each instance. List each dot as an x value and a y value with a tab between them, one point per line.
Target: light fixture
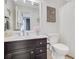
15	0
32	1
24	1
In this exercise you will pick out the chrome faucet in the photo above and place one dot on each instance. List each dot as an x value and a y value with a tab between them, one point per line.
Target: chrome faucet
27	33
22	33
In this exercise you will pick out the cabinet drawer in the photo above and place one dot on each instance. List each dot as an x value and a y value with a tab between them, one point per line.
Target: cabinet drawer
41	56
28	44
41	42
40	50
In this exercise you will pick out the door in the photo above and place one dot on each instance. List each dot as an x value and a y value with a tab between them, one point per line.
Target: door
23	55
32	54
28	24
8	56
18	55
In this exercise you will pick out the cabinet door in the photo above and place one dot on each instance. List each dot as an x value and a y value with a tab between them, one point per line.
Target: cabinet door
20	55
32	54
8	56
41	56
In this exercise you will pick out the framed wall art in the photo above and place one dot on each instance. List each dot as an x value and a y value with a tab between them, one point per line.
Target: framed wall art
51	14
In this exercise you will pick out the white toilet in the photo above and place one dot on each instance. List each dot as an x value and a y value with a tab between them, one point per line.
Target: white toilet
59	50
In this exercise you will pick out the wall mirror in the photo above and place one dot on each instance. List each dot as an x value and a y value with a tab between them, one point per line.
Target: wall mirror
24	15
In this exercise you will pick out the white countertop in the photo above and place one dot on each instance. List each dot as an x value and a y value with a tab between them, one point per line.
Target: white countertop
17	38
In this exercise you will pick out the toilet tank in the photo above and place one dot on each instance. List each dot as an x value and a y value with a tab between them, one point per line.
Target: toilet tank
53	38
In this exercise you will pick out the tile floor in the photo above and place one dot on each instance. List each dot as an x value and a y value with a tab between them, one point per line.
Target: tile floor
49	56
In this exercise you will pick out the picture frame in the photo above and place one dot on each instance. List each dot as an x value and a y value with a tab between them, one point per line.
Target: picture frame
51	14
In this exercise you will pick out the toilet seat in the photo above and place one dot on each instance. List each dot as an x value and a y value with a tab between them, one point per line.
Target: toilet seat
61	46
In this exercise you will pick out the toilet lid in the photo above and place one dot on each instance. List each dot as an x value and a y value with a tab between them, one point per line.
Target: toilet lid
61	46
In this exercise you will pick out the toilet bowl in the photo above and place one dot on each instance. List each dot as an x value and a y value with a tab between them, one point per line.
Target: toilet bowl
59	50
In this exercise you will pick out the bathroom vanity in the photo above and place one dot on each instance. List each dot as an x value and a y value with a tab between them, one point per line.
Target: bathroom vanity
24	27
26	49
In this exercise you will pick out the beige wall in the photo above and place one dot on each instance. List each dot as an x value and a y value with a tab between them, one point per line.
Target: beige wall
9	6
49	27
67	26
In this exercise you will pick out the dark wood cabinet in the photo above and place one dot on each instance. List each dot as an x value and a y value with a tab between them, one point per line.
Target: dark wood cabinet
26	49
41	56
21	55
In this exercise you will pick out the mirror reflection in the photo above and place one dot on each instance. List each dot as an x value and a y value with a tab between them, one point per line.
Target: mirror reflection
21	15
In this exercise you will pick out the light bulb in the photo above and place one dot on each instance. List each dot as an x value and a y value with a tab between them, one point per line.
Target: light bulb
32	2
15	0
24	1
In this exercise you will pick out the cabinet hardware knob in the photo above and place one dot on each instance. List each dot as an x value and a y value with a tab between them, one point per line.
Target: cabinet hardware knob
32	52
40	42
40	50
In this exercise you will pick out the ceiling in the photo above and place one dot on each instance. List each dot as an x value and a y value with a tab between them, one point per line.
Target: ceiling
26	4
59	3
